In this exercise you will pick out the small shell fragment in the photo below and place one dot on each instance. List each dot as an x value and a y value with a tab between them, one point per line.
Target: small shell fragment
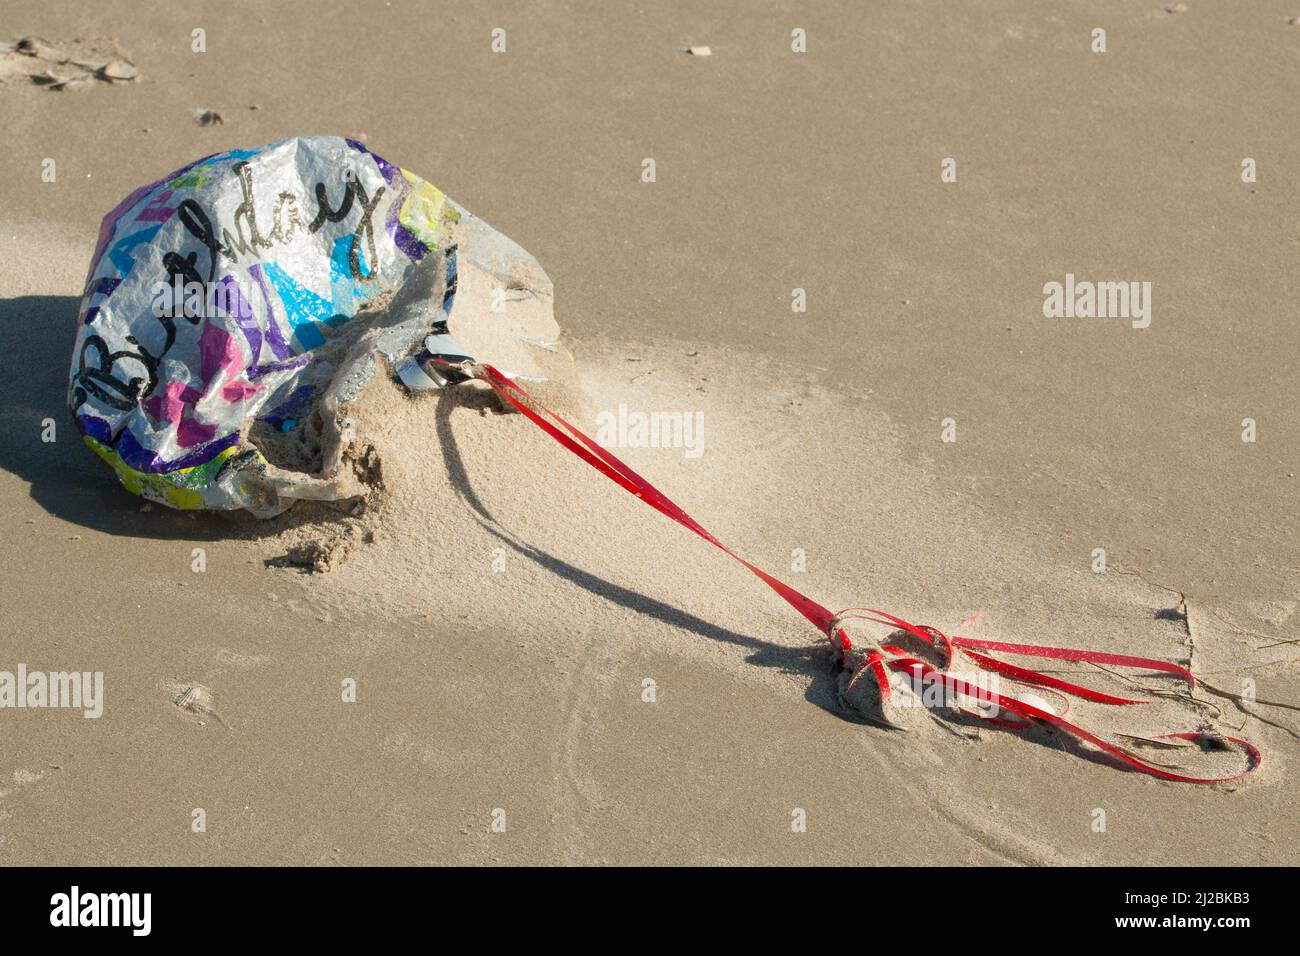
193	701
119	70
1033	700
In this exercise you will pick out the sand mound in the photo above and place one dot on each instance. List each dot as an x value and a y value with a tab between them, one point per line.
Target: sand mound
335	448
475	517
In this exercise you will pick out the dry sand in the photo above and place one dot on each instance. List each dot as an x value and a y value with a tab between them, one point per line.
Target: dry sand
502	610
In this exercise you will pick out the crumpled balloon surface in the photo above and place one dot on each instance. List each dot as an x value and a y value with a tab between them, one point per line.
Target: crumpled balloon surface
288	242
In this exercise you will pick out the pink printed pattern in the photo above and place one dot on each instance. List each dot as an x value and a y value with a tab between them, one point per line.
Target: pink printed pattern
220	365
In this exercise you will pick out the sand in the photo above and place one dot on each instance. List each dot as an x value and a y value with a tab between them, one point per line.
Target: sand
502	606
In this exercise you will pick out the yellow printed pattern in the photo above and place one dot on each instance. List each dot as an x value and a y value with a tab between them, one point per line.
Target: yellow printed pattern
170	488
426	212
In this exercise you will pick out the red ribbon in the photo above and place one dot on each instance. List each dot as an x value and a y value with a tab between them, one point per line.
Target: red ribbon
878	661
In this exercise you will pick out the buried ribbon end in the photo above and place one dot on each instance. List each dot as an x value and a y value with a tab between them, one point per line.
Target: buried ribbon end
1028	707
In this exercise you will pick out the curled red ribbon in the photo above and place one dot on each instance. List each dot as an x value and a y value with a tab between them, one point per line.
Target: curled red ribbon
887	657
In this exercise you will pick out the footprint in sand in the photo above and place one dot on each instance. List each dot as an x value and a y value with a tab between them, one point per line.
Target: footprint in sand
66	65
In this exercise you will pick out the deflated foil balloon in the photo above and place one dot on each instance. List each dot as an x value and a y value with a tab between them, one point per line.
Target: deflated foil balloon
247	298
